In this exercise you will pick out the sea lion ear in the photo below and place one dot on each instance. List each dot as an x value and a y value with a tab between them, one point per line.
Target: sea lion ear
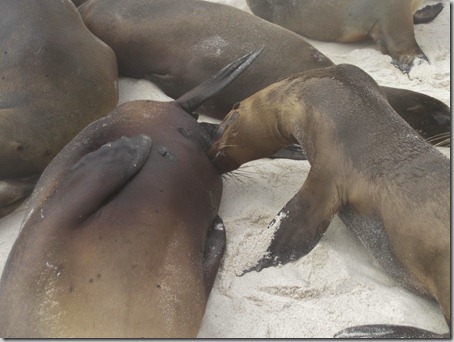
195	97
99	174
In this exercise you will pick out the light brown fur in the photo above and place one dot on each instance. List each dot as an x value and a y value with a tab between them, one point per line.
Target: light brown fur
366	163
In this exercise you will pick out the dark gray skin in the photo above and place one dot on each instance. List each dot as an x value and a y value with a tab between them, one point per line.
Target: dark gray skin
389	186
388	22
178	44
117	241
78	2
56	77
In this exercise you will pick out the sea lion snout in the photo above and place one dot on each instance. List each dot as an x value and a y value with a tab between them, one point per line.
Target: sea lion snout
222	141
221	160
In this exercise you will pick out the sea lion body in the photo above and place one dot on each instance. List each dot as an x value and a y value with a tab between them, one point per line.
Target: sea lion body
116	242
99	259
388	22
56	77
388	185
203	38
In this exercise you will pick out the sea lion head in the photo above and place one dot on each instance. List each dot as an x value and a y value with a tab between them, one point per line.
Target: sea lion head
252	130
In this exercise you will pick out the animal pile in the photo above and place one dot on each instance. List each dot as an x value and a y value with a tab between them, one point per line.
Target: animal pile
122	237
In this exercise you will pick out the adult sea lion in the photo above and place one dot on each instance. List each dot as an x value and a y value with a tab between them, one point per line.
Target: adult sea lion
56	77
178	44
117	241
388	22
389	186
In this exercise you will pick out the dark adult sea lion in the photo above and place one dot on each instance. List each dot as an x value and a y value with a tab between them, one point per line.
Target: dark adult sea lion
389	186
116	242
178	44
388	22
56	77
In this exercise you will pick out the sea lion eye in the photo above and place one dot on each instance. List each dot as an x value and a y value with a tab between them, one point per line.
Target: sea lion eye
236	105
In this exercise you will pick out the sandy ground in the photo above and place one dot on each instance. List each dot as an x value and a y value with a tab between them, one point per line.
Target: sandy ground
338	284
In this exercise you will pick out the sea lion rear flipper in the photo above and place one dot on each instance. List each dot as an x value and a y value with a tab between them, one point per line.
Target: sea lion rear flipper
427	14
204	91
99	174
302	222
214	250
387	331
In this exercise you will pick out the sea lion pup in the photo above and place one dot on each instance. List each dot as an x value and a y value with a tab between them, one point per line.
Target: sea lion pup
388	22
116	242
203	39
388	185
56	77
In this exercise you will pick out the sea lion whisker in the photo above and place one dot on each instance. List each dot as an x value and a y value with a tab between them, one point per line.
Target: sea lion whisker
238	176
444	143
440	140
444	134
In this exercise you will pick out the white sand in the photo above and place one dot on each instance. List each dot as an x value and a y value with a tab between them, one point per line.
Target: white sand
338	284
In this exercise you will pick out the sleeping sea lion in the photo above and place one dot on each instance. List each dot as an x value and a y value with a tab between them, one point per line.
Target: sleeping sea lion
56	77
203	39
388	185
388	22
117	242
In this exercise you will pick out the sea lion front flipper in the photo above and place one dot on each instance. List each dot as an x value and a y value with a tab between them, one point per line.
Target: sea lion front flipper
99	174
427	14
302	221
214	250
293	152
387	331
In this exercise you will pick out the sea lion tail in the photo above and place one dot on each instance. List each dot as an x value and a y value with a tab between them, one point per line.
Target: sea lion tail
195	97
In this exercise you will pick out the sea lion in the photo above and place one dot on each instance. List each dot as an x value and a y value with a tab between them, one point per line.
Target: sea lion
139	32
116	242
388	22
56	77
203	39
389	186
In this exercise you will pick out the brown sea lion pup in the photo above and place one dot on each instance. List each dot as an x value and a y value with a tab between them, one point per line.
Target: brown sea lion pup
204	38
56	77
117	240
388	22
387	184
